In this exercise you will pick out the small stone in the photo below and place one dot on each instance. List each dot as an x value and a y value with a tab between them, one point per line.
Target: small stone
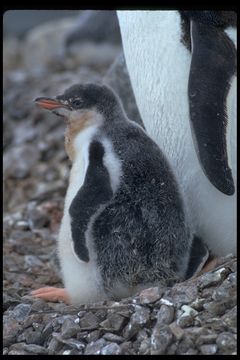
165	315
198	304
22	225
54	346
139	318
177	331
111	349
230	319
227	343
35	349
127	348
89	321
184	345
160	339
144	348
32	337
75	344
113	338
189	311
93	336
31	261
17	349
38	219
5	351
148	296
185	321
206	339
11	329
21	311
209	349
165	301
114	322
69	329
212	279
95	347
219	308
184	293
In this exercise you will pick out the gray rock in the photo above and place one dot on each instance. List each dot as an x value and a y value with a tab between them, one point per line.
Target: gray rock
127	348
144	348
93	336
184	293
230	319
114	322
54	346
209	349
206	339
89	321
17	349
185	345
165	315
38	219
111	349
227	343
31	336
11	328
21	311
19	161
138	319
177	331
75	344
113	338
150	295
95	347
219	308
160	339
35	349
210	279
69	329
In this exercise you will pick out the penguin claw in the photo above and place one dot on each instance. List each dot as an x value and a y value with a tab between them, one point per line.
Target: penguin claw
52	294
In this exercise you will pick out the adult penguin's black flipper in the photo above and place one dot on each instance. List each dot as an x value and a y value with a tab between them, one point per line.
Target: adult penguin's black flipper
212	68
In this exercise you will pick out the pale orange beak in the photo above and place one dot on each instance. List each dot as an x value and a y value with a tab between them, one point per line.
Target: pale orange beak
49	104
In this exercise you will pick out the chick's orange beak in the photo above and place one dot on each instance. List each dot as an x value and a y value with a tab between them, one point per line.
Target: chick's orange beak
49	104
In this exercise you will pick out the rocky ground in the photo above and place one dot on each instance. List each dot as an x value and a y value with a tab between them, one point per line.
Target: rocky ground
194	317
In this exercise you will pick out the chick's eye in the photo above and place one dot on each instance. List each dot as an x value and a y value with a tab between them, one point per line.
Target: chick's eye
76	102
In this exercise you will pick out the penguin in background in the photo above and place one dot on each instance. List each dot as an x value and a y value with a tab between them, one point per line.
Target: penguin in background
182	66
124	227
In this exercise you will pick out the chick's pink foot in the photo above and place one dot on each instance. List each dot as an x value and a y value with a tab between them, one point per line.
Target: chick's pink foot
52	294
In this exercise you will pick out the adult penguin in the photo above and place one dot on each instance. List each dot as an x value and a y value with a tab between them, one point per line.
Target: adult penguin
182	66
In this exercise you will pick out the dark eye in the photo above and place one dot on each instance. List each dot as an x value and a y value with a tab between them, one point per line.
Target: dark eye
77	103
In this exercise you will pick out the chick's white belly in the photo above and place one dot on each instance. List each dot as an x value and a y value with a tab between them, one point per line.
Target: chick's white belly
80	278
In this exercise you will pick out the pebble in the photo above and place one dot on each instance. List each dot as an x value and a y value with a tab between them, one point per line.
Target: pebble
35	349
114	323
165	315
111	349
95	347
227	343
160	339
21	311
177	331
89	321
69	329
113	338
212	279
151	295
139	318
209	349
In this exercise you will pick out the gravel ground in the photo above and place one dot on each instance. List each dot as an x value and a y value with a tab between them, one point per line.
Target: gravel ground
194	317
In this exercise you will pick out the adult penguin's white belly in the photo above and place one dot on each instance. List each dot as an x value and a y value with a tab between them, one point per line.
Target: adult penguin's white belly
159	66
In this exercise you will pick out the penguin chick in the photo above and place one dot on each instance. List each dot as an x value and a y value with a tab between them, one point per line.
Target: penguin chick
123	227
